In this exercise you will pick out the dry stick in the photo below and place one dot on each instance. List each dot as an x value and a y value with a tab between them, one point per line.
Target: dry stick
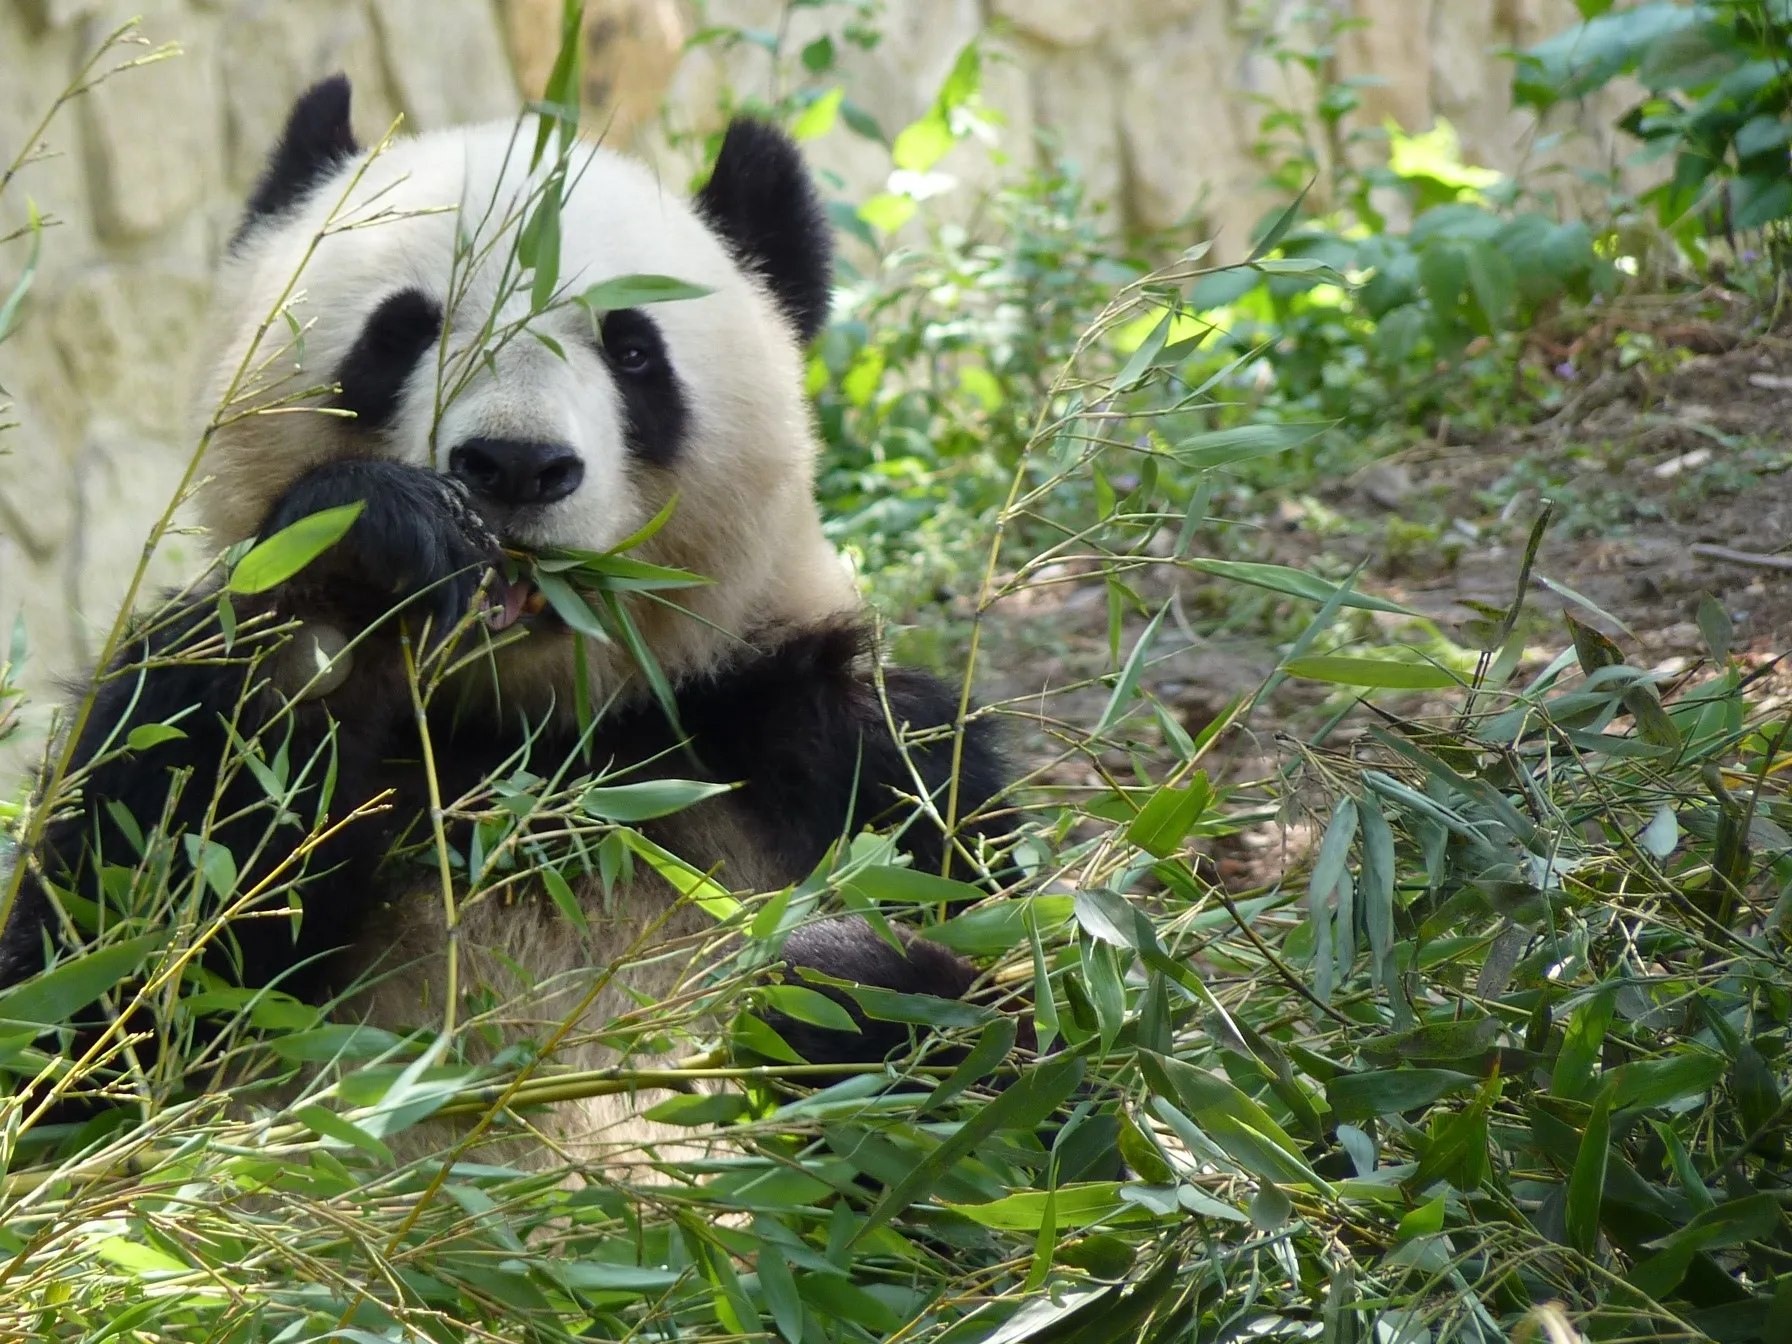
676	1077
925	802
178	966
1281	969
1752	559
987	586
144	1159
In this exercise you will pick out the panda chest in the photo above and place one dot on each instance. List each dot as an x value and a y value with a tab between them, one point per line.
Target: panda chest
582	888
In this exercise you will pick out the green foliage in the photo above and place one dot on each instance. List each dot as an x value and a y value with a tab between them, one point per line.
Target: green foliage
1362	315
930	385
927	384
1517	1034
1717	105
1557	864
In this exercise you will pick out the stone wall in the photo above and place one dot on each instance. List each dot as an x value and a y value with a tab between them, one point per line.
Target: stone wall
1158	101
141	178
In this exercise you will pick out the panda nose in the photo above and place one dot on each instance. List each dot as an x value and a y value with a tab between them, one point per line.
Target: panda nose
517	471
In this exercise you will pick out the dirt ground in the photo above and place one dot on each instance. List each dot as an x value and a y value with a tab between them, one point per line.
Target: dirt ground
1670	478
1655	476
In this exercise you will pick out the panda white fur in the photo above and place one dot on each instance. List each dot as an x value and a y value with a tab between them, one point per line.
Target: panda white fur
574	444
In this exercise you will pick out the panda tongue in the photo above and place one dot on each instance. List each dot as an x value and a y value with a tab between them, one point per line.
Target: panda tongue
512	598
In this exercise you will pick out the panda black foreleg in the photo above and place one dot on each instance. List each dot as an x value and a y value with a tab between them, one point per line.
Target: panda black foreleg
927	706
415	538
848	948
187	783
808	728
805	727
129	812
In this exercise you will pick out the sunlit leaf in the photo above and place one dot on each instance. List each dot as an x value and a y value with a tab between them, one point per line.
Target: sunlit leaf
1293	582
277	558
636	291
1385	673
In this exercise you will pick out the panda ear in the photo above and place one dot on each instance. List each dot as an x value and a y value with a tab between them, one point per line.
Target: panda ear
763	203
316	140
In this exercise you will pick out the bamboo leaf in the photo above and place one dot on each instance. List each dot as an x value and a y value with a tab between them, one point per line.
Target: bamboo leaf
279	557
1073	1206
1028	1101
777	1289
636	291
1389	1092
1586	1183
1385	673
1126	688
1168	816
1278	228
329	1125
648	800
1377	889
561	893
1293	583
808	1005
65	989
1243	443
1229	1115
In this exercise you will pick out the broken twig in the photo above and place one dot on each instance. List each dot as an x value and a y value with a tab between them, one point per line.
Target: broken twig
1753	559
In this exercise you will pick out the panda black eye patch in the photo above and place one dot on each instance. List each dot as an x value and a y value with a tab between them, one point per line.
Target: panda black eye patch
653	404
396	335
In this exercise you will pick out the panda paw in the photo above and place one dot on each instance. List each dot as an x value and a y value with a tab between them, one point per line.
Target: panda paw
418	546
848	948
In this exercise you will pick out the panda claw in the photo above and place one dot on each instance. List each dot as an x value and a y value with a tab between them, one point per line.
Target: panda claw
458	504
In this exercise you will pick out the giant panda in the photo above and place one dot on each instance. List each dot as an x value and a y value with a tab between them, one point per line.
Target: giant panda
340	304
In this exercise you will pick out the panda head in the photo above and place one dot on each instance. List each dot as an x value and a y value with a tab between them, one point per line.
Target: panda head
372	306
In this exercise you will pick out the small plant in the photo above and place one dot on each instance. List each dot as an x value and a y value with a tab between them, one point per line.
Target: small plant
1363	316
802	87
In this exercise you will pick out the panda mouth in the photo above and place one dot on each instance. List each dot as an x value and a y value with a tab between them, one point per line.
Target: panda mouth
515	601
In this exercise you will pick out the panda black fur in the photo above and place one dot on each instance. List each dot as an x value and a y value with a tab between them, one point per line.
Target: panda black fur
578	447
